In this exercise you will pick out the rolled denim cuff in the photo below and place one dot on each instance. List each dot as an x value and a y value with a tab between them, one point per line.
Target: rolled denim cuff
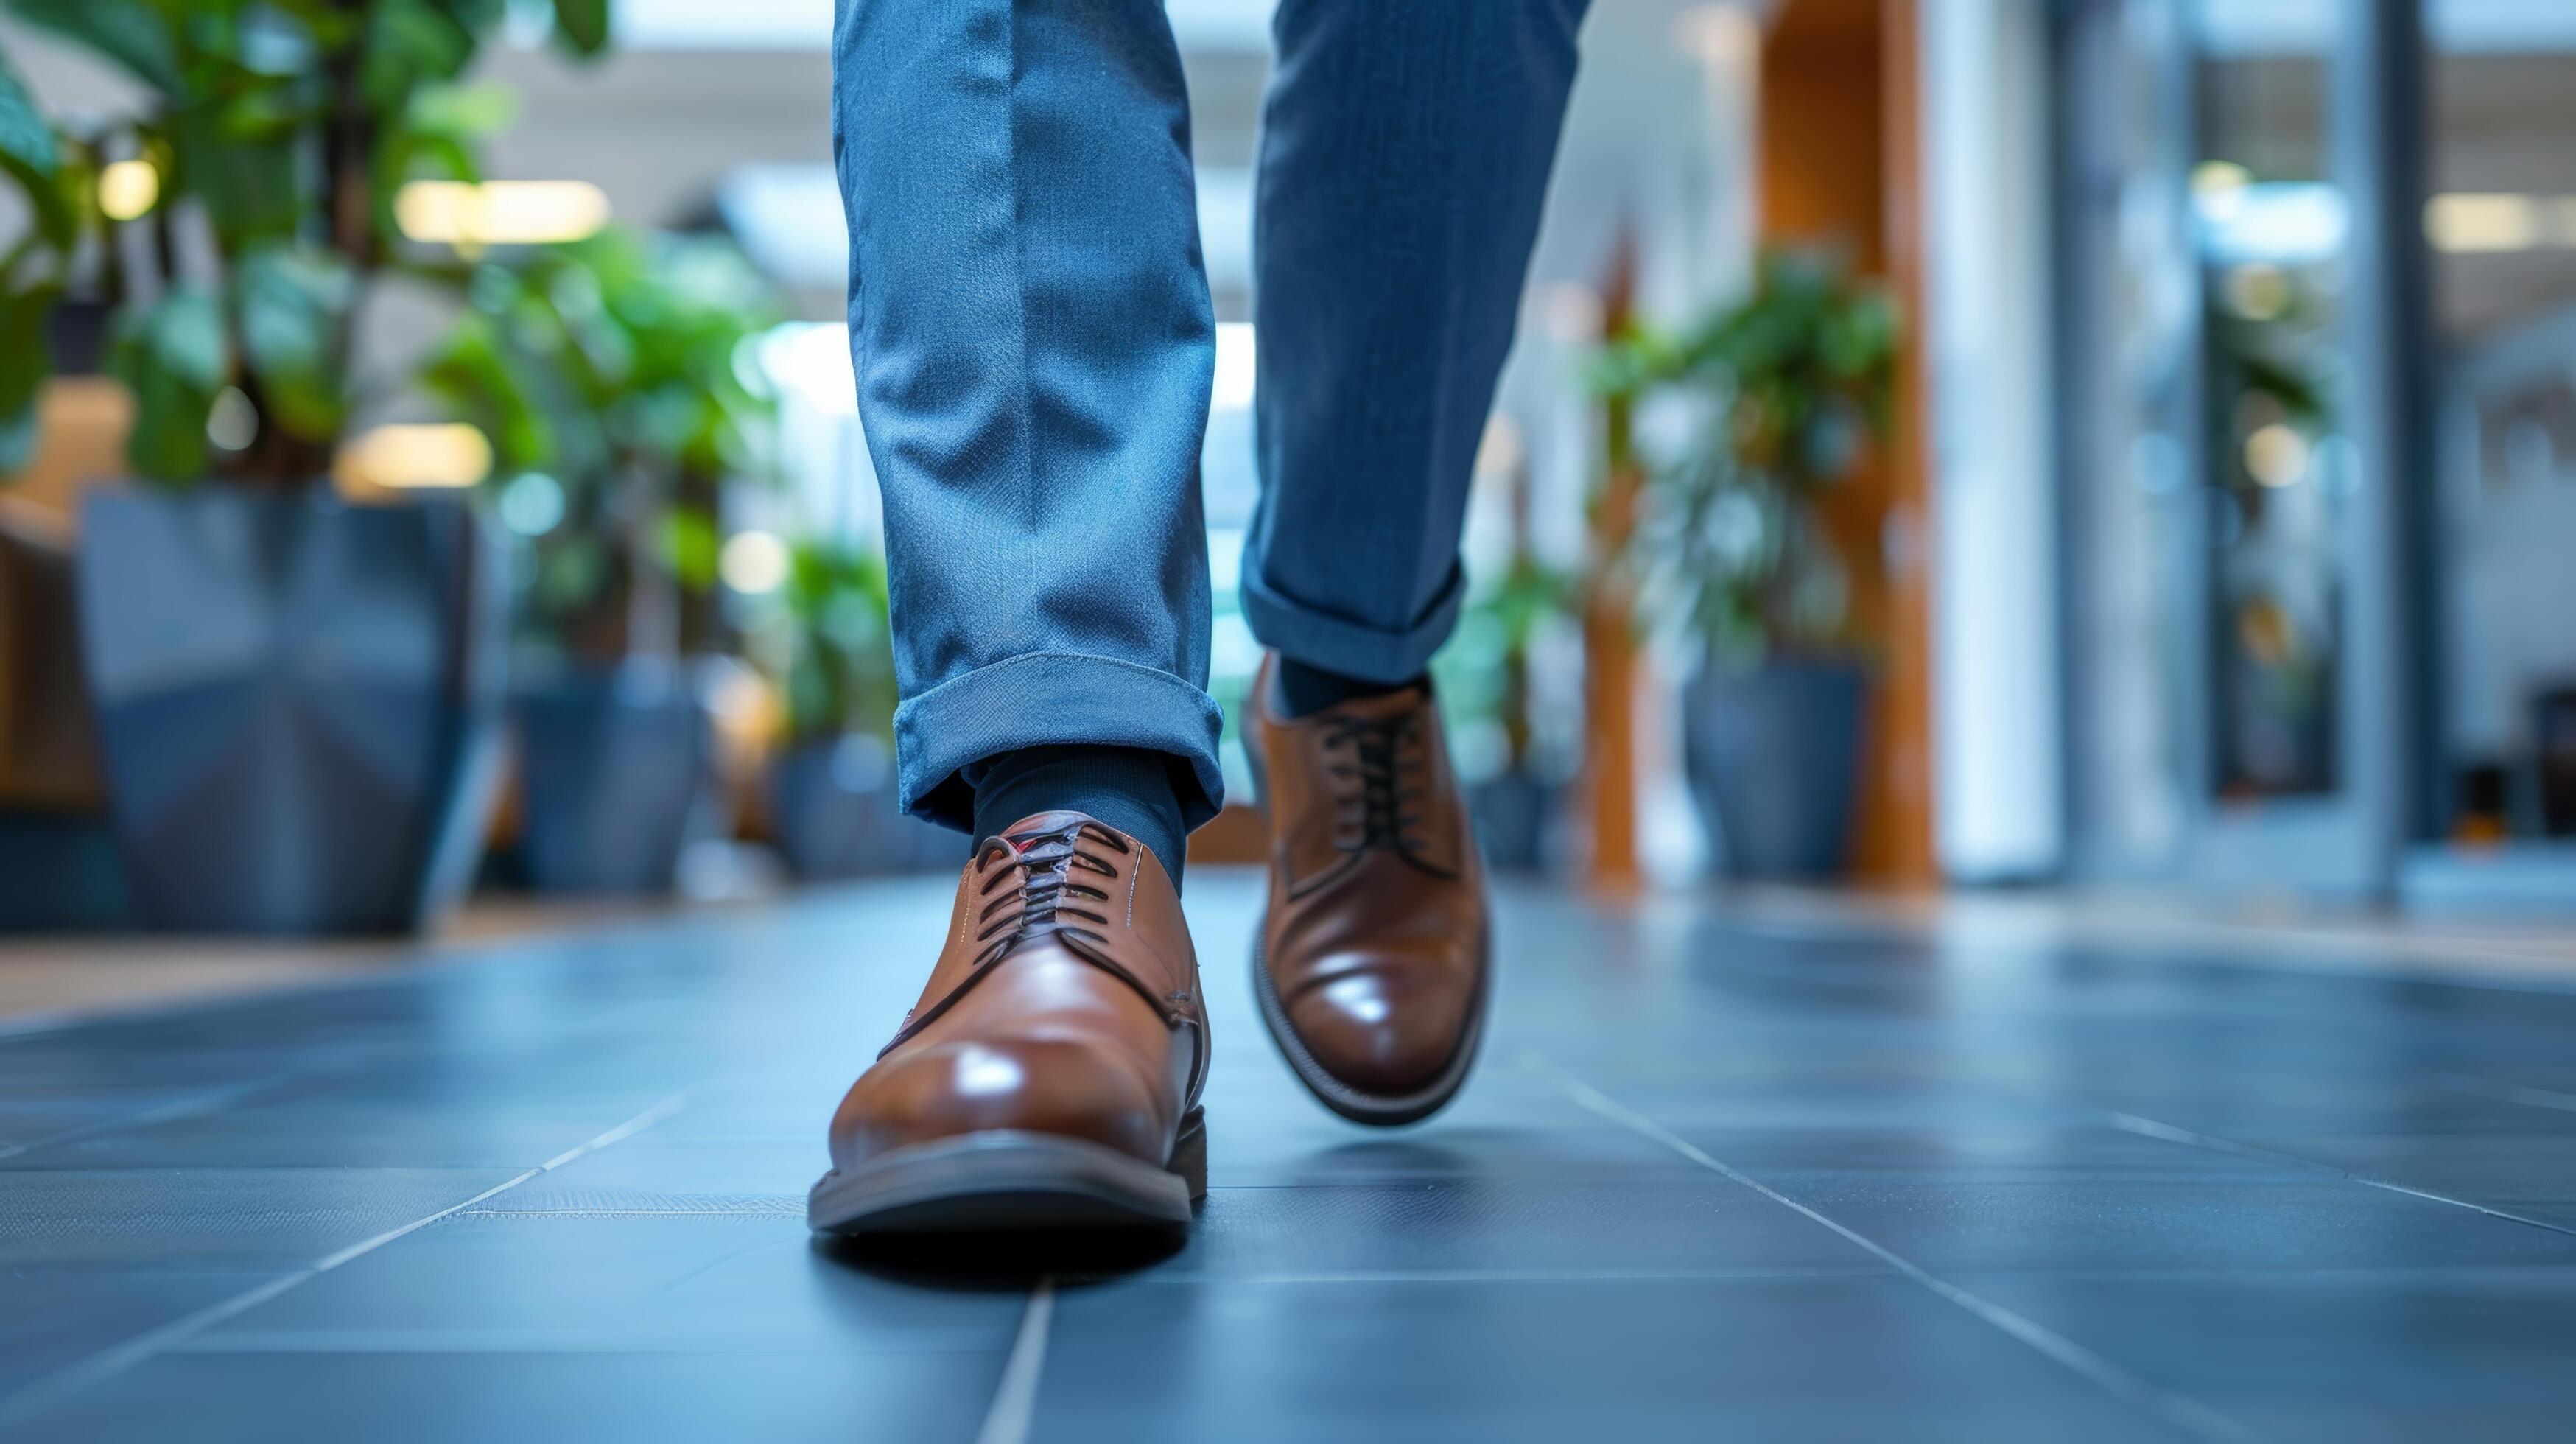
1041	698
1337	644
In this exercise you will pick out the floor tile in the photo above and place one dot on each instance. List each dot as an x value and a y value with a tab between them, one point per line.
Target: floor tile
1632	1360
733	1283
438	1398
2400	1354
1538	1262
55	1315
232	1217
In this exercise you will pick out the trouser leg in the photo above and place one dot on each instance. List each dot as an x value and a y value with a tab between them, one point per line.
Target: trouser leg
1032	334
1404	160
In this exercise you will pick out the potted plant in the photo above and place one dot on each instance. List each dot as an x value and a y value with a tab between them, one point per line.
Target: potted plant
825	640
1490	703
1783	390
608	373
292	694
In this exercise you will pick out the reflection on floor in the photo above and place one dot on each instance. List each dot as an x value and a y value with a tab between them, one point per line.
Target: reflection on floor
1718	1178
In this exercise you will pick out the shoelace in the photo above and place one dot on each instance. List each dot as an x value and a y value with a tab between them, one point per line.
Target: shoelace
1045	866
1382	760
1045	863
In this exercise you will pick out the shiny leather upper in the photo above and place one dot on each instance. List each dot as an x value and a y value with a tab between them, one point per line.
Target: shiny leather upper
1065	1000
1375	938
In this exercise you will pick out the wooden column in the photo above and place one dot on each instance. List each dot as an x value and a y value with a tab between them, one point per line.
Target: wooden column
1612	867
1840	165
1898	843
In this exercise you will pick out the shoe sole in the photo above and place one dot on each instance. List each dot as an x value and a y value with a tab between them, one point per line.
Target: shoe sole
1378	1110
1009	1180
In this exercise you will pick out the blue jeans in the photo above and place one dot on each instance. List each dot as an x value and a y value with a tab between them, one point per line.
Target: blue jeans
1033	339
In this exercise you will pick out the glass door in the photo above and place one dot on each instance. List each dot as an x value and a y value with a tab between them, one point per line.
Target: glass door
2232	648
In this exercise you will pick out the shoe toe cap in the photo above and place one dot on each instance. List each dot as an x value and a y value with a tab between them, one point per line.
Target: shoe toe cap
1379	1030
1035	1085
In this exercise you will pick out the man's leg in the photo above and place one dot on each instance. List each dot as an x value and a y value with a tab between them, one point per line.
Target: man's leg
1404	157
1031	329
1033	342
1405	154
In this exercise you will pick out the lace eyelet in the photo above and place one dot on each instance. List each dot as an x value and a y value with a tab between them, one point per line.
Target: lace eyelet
1047	889
1376	780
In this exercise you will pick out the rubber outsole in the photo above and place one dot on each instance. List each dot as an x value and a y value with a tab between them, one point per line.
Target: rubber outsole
1008	1180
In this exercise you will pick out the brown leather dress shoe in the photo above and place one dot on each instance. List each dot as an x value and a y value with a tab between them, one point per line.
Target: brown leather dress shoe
1049	1077
1372	962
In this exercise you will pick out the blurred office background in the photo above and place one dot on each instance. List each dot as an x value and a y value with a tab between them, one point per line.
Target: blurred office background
2126	446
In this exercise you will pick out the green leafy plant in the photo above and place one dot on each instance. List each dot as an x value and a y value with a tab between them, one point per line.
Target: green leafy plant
1785	388
611	376
276	133
1484	669
2270	355
51	179
828	644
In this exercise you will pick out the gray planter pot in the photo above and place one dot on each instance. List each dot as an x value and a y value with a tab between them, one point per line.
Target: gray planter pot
296	702
611	762
1773	757
832	810
1514	815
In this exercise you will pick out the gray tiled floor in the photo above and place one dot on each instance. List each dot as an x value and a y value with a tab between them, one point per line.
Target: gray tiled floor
1715	1180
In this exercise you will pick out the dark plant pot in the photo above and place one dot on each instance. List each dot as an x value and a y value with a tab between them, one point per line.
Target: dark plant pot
832	813
1513	814
610	764
2553	755
76	330
59	872
296	702
1774	760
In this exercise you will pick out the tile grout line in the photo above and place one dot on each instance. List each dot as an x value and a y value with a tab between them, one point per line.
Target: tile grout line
2169	1133
1015	1400
171	1112
107	1363
2185	1413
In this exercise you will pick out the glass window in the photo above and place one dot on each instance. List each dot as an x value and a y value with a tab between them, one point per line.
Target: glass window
2501	234
2128	301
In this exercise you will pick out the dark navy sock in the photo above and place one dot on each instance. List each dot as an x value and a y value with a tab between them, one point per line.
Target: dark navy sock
1126	787
1304	691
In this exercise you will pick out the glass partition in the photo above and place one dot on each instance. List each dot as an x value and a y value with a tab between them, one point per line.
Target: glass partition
2127	303
2269	233
2204	269
2500	228
2212	288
